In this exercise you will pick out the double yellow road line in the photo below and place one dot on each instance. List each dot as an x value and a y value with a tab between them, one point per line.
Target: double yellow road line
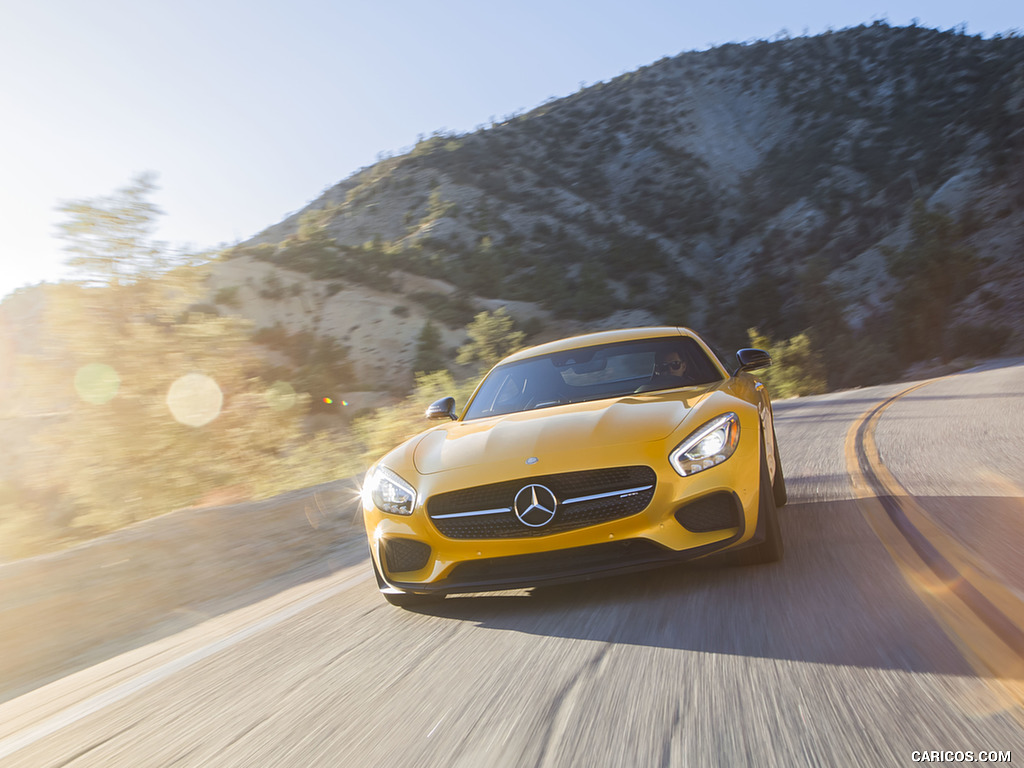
983	617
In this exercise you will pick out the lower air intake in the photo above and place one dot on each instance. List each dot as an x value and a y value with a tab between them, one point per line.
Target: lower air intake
710	513
402	555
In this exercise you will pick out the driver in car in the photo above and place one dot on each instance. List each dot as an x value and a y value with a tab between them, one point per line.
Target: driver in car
669	370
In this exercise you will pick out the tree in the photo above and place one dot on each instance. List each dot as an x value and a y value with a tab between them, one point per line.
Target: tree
429	353
138	405
484	270
796	368
110	238
592	298
759	302
676	307
936	271
491	337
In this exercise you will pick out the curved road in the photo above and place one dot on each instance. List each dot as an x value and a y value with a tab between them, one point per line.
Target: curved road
848	652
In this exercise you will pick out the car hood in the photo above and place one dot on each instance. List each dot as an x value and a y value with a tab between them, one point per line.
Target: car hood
552	430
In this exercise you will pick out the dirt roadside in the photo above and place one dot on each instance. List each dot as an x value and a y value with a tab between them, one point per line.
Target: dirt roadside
64	611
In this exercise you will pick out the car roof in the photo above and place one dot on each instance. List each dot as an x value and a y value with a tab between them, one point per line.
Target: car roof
602	337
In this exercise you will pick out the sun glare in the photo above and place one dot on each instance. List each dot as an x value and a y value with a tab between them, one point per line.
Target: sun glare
97	383
195	399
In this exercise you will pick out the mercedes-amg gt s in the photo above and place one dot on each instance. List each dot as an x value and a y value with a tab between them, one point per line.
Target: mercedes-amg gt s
602	453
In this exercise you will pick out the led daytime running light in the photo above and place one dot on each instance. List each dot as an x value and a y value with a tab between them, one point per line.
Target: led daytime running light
390	493
709	445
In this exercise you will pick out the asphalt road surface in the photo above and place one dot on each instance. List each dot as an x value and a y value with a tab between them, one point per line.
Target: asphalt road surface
837	655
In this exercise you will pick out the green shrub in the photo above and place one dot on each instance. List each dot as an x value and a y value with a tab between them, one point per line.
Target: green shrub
491	337
796	368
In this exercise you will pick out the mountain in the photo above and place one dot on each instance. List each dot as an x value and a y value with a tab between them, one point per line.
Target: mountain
853	201
833	184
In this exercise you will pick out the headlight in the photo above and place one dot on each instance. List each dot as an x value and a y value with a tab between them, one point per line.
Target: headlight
710	444
389	492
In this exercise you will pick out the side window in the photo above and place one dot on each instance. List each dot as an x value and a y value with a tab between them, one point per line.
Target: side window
700	368
726	360
507	395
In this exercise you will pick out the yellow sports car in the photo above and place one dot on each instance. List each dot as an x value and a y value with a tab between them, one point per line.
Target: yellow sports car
602	453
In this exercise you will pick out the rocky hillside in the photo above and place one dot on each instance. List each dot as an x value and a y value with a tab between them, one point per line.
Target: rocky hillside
855	199
770	184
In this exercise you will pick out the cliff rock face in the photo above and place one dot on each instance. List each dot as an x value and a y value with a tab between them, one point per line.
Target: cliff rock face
725	189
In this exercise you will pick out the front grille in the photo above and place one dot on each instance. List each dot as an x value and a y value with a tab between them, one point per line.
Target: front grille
539	566
405	555
623	491
710	513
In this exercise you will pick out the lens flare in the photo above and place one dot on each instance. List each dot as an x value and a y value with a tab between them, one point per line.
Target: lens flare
281	396
97	383
328	400
195	399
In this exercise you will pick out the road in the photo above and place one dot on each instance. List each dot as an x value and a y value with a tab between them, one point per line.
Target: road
842	654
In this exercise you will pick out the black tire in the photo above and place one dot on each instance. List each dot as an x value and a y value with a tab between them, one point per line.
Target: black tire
770	550
412	599
779	484
403	599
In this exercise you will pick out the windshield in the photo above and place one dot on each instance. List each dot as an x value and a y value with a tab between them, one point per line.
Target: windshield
593	373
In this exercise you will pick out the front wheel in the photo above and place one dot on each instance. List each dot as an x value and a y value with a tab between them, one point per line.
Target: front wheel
770	550
412	599
779	483
403	599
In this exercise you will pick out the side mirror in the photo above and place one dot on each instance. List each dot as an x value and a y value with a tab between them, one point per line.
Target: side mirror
752	360
442	409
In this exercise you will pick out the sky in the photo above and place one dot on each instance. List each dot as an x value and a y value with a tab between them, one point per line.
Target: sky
248	110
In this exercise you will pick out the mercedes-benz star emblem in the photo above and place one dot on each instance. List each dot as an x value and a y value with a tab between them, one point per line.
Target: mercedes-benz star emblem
535	505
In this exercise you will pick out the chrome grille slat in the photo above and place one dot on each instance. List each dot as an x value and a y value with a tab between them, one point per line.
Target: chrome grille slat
591	497
610	494
476	513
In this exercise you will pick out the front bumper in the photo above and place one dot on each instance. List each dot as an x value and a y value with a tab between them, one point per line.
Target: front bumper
650	538
559	566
